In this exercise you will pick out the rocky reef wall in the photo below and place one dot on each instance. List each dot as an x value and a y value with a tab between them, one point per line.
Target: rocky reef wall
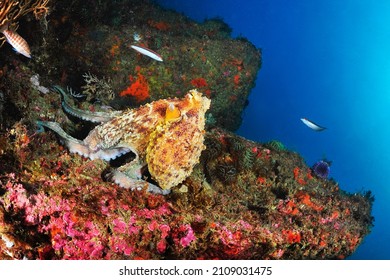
97	41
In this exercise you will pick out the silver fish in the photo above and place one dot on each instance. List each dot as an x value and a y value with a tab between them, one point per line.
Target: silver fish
147	52
312	125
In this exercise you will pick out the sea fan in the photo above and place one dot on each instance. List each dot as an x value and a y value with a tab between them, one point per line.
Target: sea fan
321	169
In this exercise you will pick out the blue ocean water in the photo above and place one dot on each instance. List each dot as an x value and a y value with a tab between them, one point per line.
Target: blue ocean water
328	61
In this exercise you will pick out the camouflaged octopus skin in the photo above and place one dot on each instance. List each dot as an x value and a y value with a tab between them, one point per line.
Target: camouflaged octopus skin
166	135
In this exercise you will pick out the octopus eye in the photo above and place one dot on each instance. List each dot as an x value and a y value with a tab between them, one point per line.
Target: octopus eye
172	113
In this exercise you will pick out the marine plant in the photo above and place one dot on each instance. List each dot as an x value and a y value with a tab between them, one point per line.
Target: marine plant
237	144
276	145
96	88
247	159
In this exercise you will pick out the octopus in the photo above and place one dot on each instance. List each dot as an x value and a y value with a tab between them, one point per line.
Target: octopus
166	136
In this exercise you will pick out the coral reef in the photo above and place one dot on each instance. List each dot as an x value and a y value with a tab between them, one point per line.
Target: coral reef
60	208
242	200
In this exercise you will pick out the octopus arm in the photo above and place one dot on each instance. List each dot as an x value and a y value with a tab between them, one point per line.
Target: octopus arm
74	145
95	117
80	147
129	176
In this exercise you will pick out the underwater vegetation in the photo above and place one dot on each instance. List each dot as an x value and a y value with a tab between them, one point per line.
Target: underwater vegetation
234	199
276	145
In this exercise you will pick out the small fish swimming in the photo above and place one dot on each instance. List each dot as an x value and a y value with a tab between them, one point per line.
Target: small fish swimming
16	41
312	125
147	52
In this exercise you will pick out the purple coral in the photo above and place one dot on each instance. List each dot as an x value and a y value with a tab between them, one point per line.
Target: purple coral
321	169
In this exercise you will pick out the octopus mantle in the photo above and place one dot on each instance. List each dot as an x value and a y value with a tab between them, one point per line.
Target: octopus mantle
166	135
